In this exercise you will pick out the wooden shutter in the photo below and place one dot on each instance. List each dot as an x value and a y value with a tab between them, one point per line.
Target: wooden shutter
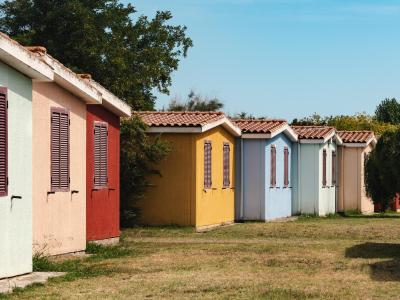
273	167
207	164
226	165
286	167
100	154
333	168
3	142
60	152
324	168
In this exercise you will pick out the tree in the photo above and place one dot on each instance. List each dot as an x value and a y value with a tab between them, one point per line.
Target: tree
139	156
195	102
388	111
129	58
382	170
99	37
354	122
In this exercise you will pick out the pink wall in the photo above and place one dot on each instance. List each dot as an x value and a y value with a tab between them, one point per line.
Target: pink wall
59	220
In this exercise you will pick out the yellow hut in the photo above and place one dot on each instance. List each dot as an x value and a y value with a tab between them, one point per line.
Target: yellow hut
351	159
196	186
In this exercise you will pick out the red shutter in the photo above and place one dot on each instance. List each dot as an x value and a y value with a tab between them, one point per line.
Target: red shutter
333	168
226	165
207	164
100	154
324	168
60	152
3	142
273	166
286	167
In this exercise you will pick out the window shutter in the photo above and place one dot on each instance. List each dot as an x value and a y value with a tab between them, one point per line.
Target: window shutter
3	142
273	166
60	153
324	168
100	154
333	168
226	165
207	164
286	167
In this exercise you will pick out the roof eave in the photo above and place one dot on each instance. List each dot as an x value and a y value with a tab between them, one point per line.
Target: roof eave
23	61
112	102
74	84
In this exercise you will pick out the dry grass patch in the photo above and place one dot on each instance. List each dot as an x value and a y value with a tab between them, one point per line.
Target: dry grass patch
311	258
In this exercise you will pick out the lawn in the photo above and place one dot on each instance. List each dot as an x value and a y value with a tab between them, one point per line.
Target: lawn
310	258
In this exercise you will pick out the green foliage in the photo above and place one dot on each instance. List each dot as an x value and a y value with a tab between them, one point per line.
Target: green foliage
140	155
356	122
382	169
196	102
131	59
388	111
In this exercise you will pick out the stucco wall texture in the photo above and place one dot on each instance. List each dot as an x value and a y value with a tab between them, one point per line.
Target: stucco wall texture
59	220
352	195
16	214
178	196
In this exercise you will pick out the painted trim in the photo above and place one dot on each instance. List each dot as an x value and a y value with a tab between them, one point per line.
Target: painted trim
72	82
312	141
21	59
286	130
372	141
224	122
112	102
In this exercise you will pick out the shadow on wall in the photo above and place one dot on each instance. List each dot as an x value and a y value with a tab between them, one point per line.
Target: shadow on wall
388	270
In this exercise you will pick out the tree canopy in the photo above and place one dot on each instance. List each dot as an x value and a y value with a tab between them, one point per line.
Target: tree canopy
195	102
388	111
382	169
353	122
130	58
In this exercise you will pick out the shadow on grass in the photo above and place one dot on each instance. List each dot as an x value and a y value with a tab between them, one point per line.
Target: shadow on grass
388	270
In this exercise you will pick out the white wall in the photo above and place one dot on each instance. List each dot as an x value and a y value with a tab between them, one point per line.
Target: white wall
16	215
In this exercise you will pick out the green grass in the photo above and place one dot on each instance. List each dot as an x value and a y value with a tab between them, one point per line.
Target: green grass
345	256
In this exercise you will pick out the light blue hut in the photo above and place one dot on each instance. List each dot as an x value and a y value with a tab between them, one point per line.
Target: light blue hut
263	170
18	67
315	170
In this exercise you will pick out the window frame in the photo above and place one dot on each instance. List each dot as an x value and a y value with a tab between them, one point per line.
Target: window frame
286	176
226	166
53	189
334	168
207	167
324	172
4	91
272	181
95	185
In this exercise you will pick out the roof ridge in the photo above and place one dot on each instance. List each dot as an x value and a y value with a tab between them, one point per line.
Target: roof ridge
259	120
178	112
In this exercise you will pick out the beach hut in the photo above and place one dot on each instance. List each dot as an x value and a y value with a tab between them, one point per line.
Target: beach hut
351	160
59	159
315	170
263	160
102	166
196	186
18	67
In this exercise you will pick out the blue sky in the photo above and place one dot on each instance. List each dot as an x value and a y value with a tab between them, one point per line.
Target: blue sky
287	58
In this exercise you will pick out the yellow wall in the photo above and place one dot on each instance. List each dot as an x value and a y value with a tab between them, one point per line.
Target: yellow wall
216	205
59	220
178	196
171	198
351	175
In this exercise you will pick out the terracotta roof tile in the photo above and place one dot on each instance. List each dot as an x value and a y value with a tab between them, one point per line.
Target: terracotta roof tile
259	126
356	136
179	119
313	132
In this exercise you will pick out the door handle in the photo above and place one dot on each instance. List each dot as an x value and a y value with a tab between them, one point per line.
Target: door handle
16	197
